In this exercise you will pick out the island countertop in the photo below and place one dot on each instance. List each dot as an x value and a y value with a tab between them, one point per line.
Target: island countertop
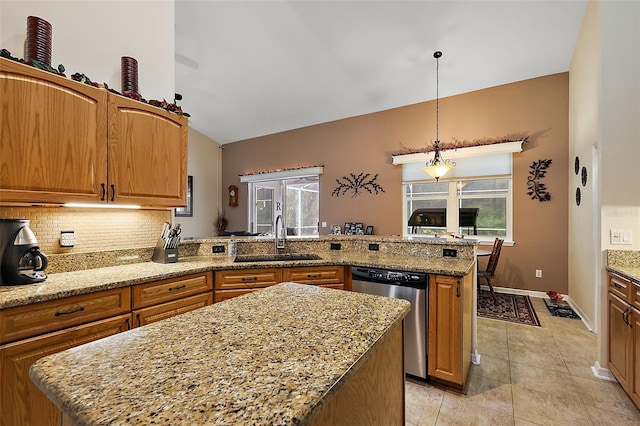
270	357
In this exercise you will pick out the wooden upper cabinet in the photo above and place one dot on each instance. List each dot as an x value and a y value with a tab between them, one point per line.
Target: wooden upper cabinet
53	135
62	141
147	154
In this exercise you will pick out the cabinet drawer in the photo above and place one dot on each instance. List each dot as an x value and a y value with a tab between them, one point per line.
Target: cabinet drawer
39	318
222	295
247	278
314	275
156	292
620	286
167	310
635	295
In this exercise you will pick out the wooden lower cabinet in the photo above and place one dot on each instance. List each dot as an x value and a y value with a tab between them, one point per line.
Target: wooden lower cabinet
222	295
620	341
635	371
167	310
21	402
450	306
156	292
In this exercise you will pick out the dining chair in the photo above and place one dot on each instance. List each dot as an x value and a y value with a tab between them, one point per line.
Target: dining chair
488	273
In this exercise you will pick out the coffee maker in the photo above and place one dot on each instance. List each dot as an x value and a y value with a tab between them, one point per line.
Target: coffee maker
21	261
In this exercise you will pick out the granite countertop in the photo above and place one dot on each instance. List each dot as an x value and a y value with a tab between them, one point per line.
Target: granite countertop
273	356
67	284
630	272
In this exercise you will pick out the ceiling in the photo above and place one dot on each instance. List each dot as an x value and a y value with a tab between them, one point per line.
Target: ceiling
252	68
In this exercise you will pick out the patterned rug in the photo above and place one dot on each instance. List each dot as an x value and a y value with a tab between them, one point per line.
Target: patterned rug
509	307
561	309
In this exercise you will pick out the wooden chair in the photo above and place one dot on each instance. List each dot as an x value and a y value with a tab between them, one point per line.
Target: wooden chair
487	274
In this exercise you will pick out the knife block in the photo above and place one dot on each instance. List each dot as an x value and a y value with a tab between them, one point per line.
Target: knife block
164	255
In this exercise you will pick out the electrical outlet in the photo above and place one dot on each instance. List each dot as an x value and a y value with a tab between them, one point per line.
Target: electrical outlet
449	253
621	236
538	273
374	246
68	238
217	249
324	224
335	246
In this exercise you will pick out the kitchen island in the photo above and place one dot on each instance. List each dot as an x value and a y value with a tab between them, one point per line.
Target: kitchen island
288	354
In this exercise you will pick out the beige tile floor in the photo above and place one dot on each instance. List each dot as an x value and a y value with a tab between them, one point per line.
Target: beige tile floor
528	376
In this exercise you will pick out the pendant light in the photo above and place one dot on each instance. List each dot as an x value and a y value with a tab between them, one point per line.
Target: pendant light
437	167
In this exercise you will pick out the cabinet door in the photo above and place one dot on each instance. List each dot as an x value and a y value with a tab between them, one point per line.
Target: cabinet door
635	356
167	310
53	137
147	148
445	328
314	275
21	402
619	341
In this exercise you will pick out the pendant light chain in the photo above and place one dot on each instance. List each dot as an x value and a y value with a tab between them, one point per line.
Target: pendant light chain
437	96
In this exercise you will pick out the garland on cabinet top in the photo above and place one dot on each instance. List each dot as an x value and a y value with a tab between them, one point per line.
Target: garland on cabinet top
538	191
516	137
172	107
356	184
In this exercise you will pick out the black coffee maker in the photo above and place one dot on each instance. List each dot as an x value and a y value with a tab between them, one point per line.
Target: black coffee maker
21	261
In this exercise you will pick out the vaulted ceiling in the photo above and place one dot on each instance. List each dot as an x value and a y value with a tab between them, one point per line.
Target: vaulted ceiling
252	68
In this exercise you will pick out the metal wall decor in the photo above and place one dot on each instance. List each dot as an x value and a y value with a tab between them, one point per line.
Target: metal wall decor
538	191
357	184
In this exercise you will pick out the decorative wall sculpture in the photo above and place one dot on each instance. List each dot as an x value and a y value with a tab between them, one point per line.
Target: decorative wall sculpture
356	184
538	191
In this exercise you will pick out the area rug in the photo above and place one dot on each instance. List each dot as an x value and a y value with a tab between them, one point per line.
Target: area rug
509	307
561	309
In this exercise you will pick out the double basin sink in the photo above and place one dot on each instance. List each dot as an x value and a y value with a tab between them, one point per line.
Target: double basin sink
275	257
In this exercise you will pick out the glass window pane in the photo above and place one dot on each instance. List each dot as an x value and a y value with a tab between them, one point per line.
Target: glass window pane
492	216
483	187
303	206
433	214
427	189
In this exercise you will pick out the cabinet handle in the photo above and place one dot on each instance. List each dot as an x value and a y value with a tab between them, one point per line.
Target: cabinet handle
314	275
113	192
625	315
619	286
73	311
128	324
177	288
249	279
458	288
138	318
104	191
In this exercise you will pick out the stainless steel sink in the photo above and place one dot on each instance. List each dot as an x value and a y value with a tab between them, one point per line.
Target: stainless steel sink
275	257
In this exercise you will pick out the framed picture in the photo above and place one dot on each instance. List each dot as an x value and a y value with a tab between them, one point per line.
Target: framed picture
369	230
187	211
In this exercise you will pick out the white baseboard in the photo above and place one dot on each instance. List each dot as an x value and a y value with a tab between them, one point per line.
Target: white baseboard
602	373
543	295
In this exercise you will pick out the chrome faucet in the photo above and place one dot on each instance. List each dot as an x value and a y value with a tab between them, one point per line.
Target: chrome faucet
279	243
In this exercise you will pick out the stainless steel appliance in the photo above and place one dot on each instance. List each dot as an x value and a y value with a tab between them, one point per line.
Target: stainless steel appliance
21	261
411	286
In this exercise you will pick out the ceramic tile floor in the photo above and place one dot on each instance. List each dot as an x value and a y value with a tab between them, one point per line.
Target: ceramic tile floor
528	376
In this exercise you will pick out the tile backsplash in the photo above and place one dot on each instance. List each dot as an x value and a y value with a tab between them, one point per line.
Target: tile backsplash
96	229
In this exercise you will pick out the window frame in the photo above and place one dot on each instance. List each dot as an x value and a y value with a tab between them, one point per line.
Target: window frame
453	200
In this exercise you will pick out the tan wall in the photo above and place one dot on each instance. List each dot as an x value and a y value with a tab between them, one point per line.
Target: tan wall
205	157
537	107
96	229
584	234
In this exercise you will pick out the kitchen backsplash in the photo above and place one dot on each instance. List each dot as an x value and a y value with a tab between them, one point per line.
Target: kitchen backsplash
96	229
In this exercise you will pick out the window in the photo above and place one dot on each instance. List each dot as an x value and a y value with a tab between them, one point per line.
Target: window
293	194
475	207
475	198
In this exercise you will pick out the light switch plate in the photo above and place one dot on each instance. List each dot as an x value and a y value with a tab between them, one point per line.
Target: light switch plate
622	236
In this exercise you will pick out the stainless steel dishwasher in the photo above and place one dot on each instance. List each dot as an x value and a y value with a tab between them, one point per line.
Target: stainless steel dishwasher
411	286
